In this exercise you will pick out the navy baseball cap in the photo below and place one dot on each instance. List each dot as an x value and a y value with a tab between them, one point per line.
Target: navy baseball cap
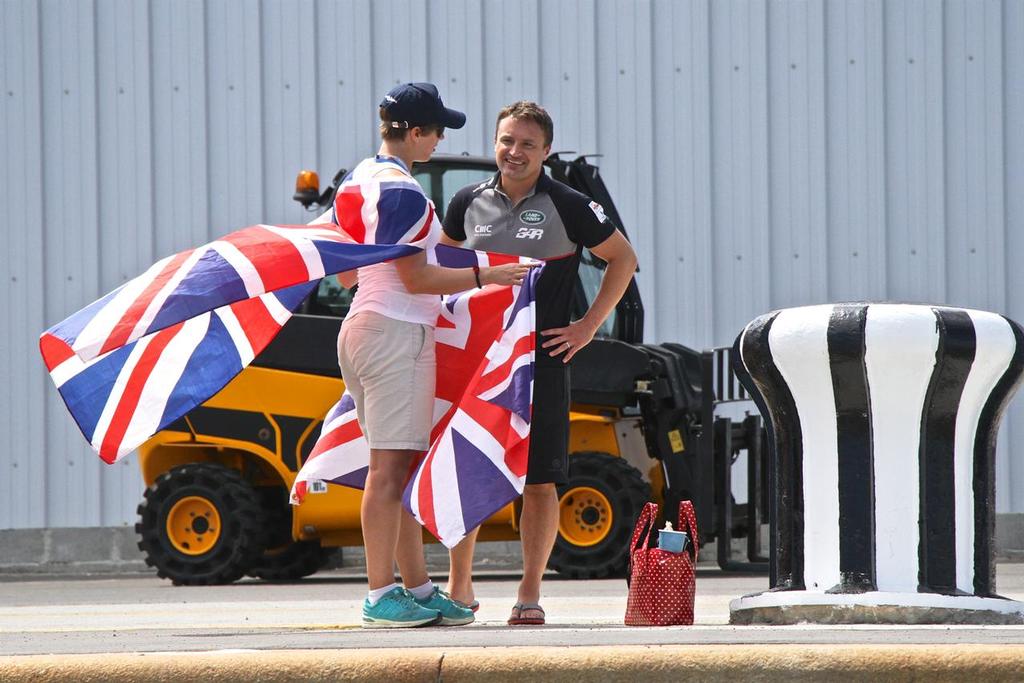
418	104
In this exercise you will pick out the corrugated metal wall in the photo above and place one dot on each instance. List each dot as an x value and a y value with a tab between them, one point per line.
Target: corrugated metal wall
762	154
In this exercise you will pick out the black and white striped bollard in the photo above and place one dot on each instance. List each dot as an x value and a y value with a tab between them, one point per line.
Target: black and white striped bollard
883	421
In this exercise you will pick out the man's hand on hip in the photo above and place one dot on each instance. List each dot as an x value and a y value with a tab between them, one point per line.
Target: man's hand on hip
568	340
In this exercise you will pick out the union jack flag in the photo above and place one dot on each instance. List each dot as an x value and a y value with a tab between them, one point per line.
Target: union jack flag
476	463
139	358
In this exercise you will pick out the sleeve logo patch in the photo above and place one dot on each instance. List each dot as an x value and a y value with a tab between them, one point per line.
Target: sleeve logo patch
532	217
598	211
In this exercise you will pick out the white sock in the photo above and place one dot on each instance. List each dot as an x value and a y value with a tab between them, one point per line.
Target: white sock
423	592
377	593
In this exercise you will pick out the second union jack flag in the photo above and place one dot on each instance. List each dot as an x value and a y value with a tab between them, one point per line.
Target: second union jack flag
477	459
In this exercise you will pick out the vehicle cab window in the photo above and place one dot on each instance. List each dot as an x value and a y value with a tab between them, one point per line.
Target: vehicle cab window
328	299
442	183
591	271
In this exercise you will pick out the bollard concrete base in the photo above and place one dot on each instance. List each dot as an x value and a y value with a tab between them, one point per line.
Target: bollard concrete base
873	607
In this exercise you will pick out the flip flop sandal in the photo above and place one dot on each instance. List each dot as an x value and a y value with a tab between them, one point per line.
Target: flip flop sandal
474	606
521	617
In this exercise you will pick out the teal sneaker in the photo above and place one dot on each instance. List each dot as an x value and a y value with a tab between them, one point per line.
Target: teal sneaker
451	614
398	609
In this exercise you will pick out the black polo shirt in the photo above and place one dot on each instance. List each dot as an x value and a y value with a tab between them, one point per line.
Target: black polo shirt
554	222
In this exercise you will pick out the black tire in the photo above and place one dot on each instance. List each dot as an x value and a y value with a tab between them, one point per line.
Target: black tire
284	558
219	555
625	491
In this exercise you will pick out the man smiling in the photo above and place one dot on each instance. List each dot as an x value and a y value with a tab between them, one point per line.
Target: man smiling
524	212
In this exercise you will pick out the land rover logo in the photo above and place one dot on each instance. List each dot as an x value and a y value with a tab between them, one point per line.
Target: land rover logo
532	217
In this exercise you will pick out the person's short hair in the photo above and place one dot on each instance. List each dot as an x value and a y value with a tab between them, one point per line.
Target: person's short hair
524	110
390	132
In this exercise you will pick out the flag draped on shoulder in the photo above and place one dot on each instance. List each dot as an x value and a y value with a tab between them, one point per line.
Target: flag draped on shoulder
139	358
477	459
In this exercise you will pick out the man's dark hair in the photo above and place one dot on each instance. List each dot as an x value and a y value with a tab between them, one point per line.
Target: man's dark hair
389	132
524	110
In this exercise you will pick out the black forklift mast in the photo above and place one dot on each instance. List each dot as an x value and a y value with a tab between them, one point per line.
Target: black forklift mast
722	439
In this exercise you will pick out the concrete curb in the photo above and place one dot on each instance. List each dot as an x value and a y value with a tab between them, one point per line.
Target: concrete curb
788	663
88	550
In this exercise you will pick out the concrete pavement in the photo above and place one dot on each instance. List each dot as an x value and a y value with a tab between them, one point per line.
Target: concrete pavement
142	628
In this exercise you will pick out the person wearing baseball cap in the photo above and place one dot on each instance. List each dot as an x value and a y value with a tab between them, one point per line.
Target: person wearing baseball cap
410	105
386	347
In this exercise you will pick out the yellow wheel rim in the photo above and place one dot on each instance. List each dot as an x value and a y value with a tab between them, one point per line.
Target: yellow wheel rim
584	516
193	525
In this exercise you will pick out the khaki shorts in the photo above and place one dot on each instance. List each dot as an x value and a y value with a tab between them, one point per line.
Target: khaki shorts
389	368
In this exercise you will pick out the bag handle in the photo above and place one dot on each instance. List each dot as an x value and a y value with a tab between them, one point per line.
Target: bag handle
688	522
644	523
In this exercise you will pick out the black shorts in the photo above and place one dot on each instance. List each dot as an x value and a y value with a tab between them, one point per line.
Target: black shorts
549	426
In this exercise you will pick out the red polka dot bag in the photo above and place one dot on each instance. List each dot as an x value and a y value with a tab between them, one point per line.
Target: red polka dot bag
661	583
